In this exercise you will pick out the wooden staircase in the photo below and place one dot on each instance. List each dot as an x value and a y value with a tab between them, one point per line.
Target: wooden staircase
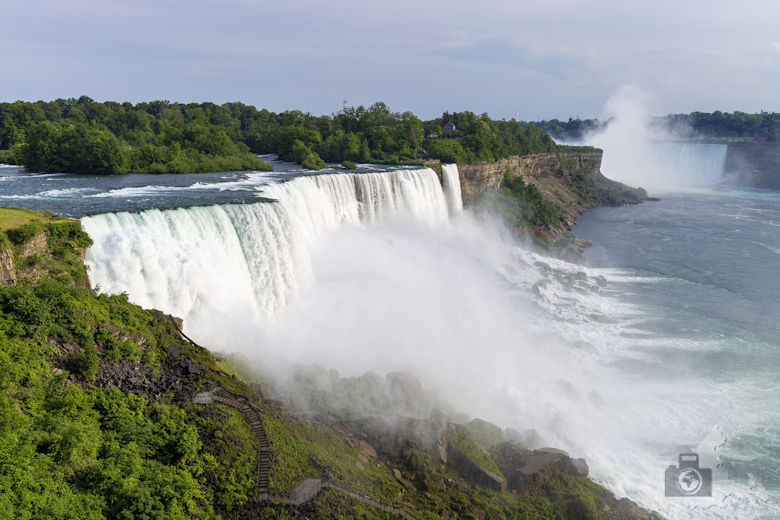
255	420
309	487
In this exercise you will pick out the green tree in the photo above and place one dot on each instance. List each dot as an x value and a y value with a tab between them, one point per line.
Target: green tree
73	147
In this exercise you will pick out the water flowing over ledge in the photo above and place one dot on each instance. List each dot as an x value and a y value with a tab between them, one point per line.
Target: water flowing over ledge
200	261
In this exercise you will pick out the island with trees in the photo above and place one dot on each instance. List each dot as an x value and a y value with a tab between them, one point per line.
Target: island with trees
85	136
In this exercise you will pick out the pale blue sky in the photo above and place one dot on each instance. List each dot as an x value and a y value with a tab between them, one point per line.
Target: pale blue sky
560	59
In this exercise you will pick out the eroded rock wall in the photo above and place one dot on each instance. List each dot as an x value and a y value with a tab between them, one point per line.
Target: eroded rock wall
570	181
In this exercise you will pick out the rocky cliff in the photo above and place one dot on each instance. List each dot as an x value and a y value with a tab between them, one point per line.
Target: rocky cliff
570	180
561	186
20	264
36	246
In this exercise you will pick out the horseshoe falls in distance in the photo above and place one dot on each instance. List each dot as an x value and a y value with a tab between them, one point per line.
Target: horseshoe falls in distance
392	276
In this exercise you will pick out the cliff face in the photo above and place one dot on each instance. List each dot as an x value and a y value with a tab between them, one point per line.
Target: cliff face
46	254
753	164
481	177
11	271
570	181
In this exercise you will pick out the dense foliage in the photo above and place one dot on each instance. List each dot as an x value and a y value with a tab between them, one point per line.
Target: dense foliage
73	445
69	449
758	127
479	138
70	452
763	127
84	136
573	130
524	206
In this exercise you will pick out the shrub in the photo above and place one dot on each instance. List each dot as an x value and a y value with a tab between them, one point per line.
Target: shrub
24	233
84	365
447	151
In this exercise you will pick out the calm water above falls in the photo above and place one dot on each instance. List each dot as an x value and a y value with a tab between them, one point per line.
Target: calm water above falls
79	195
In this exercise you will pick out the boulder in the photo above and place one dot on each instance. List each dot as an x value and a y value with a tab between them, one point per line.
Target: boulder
265	392
510	457
484	433
543	460
404	482
577	467
472	461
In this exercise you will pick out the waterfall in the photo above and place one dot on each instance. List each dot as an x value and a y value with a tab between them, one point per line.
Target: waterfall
229	263
451	181
699	164
664	166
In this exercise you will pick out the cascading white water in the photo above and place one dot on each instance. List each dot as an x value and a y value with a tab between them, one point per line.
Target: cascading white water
230	263
639	154
697	163
451	181
664	166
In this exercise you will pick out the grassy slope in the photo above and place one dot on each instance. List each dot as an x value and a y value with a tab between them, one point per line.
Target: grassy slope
11	218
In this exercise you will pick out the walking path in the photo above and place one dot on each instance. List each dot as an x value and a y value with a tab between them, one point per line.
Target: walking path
255	420
307	489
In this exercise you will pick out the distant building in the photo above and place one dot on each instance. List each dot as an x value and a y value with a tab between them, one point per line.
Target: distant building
448	129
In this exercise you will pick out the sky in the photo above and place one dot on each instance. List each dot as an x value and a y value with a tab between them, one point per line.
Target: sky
529	60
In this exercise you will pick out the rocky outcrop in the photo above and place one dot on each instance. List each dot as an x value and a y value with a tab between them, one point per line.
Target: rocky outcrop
565	184
523	467
478	178
527	471
8	274
55	251
14	269
472	461
571	181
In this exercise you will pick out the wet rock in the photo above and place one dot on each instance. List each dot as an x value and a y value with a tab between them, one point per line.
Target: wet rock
470	460
179	322
404	482
510	457
577	467
367	449
265	392
543	460
485	434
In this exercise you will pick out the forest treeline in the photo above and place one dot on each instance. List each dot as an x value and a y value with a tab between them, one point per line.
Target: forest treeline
757	127
85	136
763	127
